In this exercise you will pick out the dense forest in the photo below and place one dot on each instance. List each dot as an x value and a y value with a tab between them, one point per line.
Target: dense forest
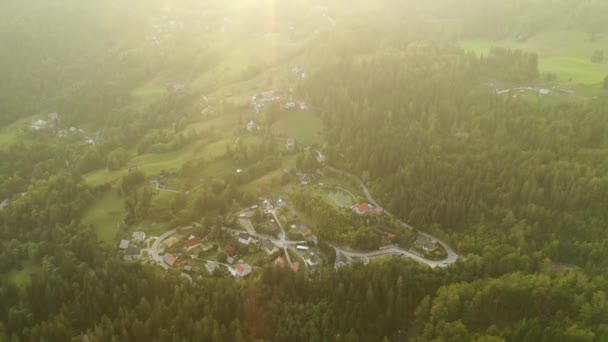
517	184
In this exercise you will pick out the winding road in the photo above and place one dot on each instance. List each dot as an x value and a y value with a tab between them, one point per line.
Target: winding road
450	259
154	250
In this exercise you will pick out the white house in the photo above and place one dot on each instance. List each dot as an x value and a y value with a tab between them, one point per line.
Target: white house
251	126
138	236
124	244
240	270
39	124
211	266
290	144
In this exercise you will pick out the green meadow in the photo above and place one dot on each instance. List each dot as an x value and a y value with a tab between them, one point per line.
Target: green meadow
105	215
566	54
305	126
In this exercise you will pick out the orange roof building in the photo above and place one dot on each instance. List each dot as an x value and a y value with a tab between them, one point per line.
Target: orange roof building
280	262
362	208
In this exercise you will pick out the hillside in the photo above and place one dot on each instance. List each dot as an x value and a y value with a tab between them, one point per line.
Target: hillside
307	170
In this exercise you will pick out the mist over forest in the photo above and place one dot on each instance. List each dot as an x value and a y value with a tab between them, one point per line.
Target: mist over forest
263	170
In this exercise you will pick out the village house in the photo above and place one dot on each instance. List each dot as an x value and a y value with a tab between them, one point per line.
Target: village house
280	262
281	202
170	259
196	251
312	238
389	235
251	126
39	124
138	236
124	244
230	250
312	262
132	253
211	266
192	243
290	144
305	231
269	247
362	208
53	117
240	270
245	238
296	267
341	261
426	243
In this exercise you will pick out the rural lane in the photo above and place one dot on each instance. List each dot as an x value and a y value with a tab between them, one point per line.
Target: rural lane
450	259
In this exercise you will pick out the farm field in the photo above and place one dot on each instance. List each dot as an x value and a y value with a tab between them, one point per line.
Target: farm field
305	126
105	214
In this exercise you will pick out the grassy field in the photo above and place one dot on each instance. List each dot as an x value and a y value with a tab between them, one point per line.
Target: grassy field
564	53
341	197
150	164
105	214
305	126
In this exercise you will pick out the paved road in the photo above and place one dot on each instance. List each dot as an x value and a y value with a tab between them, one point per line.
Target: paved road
154	250
393	251
187	276
452	255
282	236
278	242
248	226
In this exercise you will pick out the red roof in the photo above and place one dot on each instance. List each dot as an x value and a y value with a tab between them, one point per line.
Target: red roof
230	250
193	242
280	261
171	259
390	235
363	207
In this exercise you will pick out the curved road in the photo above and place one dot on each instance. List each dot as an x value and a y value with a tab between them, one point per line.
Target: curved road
154	250
452	255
